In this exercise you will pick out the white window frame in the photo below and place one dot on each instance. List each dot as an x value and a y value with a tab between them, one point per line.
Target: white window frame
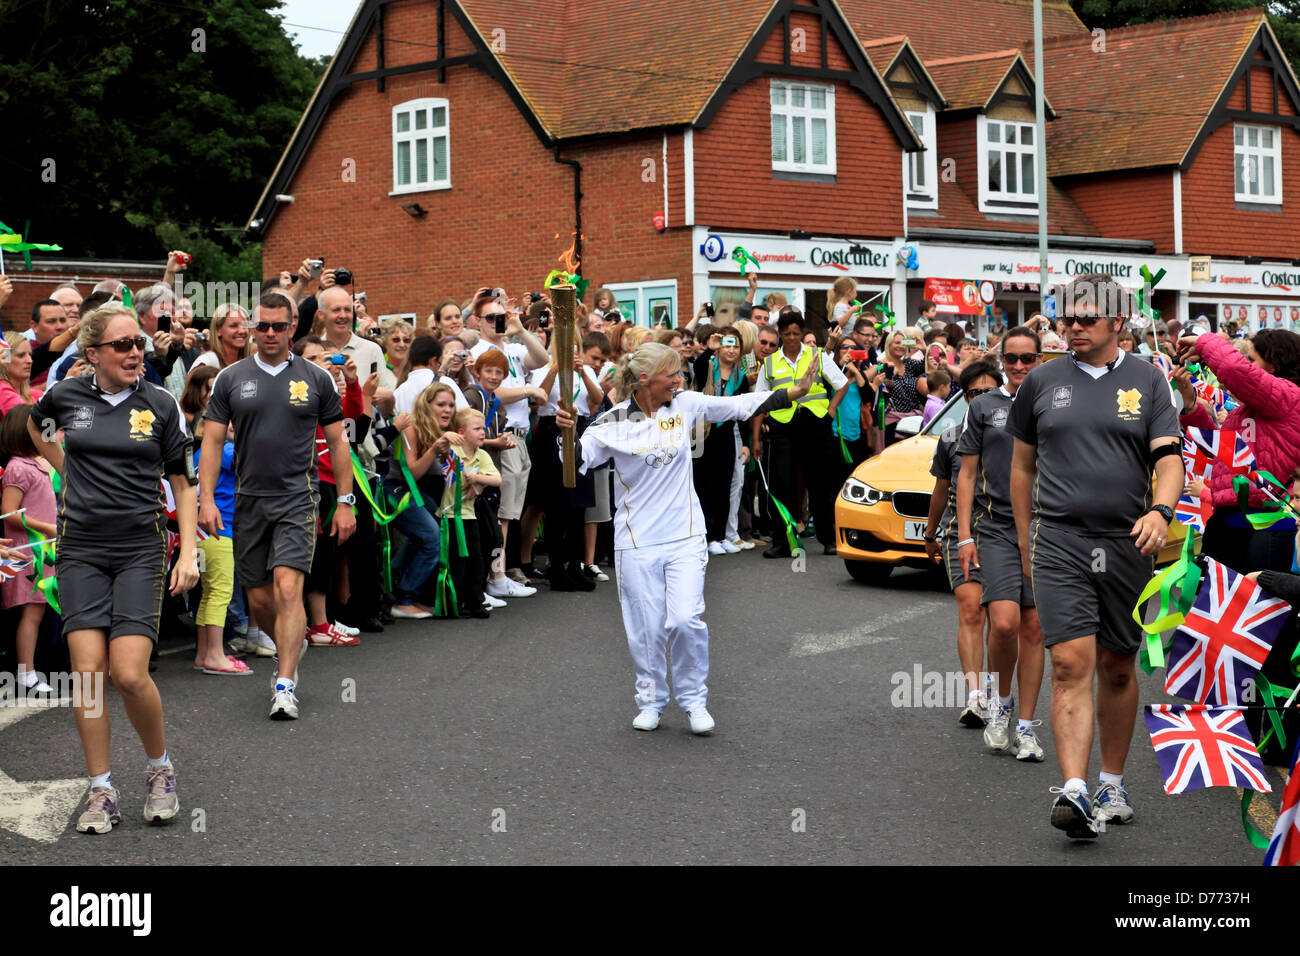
996	201
636	291
429	135
805	114
1242	154
927	162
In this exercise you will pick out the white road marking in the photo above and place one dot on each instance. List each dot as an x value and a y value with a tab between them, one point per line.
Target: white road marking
805	645
39	810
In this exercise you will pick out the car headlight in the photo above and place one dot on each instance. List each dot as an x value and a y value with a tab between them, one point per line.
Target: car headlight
861	493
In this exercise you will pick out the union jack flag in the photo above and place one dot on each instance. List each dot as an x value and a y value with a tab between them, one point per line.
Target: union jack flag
1211	393
452	466
1224	638
1196	463
1284	847
1194	510
1199	746
1223	445
9	568
173	526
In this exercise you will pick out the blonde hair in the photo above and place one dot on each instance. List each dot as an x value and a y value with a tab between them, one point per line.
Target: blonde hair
844	285
427	429
15	339
388	328
908	332
650	359
93	325
219	316
464	416
748	335
634	337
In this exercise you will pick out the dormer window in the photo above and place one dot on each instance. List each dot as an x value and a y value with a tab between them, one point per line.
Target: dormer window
803	127
922	168
1008	180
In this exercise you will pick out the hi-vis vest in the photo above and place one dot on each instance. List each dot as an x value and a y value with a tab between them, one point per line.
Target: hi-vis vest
817	400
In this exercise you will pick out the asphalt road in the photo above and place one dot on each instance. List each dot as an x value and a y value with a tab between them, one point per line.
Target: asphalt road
510	741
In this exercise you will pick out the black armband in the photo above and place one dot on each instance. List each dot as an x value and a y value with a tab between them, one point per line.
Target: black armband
780	398
182	466
1173	448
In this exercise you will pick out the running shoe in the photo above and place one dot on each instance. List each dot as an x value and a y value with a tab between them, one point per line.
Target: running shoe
701	721
715	547
101	812
648	719
1111	804
998	735
741	544
1027	746
1072	812
594	572
161	802
729	548
492	602
284	706
974	715
508	588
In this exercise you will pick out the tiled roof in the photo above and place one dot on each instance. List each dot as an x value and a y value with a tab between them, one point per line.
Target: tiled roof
881	52
969	82
958	210
615	65
947	29
1142	101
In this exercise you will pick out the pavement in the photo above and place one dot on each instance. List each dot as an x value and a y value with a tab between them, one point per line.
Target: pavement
510	741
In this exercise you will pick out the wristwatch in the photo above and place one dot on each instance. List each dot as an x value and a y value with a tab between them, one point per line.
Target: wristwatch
352	500
1163	511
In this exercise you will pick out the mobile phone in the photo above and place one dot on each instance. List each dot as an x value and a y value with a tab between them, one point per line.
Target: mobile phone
164	323
859	355
361	297
338	360
500	323
374	368
316	266
708	309
544	319
936	351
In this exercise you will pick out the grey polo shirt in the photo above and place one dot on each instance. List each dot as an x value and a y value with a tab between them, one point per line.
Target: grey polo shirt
117	450
275	417
986	435
946	466
1093	437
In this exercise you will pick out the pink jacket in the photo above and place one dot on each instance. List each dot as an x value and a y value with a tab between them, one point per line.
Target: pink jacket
1274	405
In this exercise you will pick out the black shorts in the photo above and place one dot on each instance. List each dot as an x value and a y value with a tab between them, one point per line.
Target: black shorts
117	589
1090	584
272	533
1004	578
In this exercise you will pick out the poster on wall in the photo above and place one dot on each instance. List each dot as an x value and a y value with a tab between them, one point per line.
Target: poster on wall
954	296
661	312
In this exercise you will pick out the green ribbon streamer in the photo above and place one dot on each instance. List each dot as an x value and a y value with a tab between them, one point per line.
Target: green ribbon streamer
786	517
1268	514
1185	574
14	243
1257	839
560	277
445	602
1270	693
41	553
1149	282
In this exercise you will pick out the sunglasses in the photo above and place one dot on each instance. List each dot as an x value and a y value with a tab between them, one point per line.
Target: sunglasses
272	326
976	392
1087	321
1011	358
125	345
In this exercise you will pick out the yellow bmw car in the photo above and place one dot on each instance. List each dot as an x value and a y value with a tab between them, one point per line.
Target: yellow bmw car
882	509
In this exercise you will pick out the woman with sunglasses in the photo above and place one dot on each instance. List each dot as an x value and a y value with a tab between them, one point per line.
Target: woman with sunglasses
986	528
901	379
112	544
941	545
396	340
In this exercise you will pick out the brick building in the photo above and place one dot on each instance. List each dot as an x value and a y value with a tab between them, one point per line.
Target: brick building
452	142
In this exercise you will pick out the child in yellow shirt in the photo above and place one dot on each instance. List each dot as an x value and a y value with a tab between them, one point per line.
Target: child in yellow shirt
476	473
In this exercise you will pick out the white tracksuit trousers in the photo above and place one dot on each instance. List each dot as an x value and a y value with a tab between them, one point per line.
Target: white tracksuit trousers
661	589
737	483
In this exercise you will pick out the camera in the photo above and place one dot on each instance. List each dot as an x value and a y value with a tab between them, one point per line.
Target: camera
500	323
316	266
534	297
463	355
361	297
164	322
203	336
338	360
183	258
342	277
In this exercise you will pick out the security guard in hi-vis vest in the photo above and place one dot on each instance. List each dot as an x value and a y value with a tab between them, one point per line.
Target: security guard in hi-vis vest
800	436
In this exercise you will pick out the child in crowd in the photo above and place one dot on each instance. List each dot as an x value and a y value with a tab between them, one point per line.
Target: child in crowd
476	473
940	383
217	572
27	485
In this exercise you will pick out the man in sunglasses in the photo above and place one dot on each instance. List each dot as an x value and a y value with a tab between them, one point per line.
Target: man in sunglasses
275	401
986	539
1089	429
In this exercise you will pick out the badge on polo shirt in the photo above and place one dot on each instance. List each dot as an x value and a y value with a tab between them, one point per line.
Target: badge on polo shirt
248	389
83	416
298	393
1062	396
141	424
1129	401
999	418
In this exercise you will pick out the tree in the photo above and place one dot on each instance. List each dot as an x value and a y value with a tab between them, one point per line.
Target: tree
133	127
1283	17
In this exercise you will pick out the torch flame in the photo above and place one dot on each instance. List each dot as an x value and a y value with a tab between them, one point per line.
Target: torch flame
567	258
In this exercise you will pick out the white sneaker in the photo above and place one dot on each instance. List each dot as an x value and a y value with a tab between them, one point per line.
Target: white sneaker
715	547
596	574
349	631
260	643
701	722
729	548
741	544
505	588
492	602
648	719
284	706
1027	746
998	735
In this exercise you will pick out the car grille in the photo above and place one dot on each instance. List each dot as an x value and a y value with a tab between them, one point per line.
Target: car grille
911	504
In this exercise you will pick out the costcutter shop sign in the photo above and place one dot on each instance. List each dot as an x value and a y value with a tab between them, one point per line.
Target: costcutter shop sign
1236	278
805	257
973	263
